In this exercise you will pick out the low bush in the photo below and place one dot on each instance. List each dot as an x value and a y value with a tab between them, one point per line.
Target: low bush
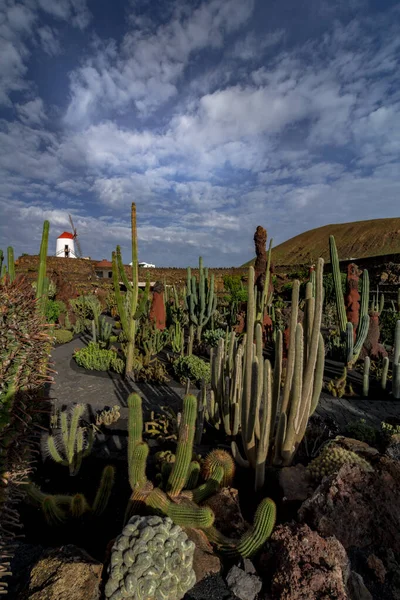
53	310
63	336
212	337
94	358
192	367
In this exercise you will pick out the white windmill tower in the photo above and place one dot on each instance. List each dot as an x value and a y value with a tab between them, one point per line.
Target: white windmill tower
65	247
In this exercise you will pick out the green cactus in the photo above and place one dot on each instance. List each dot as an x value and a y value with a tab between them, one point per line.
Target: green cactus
71	445
127	310
353	349
385	371
226	384
181	505
58	508
200	302
253	540
42	285
219	458
152	558
396	363
267	421
184	450
331	459
10	263
367	365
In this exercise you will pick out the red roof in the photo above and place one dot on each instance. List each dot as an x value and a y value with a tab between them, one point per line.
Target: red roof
67	235
105	264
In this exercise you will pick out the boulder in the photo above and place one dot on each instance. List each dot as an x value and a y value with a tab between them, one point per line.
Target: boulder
228	516
295	483
357	589
307	566
62	574
359	508
245	586
205	562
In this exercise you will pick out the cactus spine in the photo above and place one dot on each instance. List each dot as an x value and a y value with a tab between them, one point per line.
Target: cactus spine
127	310
353	349
70	446
200	302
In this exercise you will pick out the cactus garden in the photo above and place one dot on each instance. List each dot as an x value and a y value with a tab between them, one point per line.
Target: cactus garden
173	437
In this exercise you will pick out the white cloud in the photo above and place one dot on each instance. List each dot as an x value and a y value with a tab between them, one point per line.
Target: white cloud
32	112
146	70
48	40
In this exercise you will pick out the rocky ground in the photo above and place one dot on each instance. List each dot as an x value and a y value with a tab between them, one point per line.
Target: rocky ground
334	540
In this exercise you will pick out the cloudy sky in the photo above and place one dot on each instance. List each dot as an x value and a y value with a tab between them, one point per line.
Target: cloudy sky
214	116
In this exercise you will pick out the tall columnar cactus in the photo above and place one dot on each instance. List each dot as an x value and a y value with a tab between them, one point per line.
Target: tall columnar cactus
267	421
367	366
71	445
354	343
10	263
396	363
42	281
180	504
226	384
200	302
127	310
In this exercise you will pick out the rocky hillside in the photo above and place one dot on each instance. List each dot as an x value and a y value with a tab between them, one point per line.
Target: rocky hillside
356	240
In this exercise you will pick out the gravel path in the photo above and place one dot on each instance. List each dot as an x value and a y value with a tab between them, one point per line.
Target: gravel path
74	384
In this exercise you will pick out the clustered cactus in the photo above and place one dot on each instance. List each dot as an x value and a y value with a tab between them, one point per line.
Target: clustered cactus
73	442
57	508
200	302
108	416
151	559
354	340
331	459
181	495
272	426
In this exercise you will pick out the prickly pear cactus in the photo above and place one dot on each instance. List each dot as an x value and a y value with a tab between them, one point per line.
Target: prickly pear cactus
151	560
331	459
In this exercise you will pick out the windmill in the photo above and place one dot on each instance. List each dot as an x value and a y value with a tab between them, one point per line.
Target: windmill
78	247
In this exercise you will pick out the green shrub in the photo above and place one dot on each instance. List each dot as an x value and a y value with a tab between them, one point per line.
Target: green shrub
192	367
360	430
53	310
212	336
63	336
387	322
94	358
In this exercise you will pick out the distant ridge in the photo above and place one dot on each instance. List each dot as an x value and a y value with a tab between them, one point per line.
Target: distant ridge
360	239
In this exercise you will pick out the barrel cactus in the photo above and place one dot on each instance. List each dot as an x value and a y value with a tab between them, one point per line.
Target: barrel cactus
151	560
331	459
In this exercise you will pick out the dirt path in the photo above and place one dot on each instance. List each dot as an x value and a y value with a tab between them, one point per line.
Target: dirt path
74	384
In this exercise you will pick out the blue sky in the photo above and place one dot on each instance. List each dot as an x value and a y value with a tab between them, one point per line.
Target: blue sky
213	116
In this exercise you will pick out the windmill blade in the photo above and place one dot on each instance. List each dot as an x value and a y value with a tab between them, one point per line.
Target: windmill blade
72	225
78	246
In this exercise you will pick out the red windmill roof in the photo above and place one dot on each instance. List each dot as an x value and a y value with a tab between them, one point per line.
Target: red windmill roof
67	235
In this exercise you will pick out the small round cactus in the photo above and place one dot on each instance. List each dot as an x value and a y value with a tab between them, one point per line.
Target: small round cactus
215	459
331	459
151	560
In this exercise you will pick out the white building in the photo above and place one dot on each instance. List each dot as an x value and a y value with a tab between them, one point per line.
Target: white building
65	247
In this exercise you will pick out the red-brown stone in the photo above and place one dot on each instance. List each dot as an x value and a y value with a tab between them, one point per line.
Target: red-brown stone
352	297
157	310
